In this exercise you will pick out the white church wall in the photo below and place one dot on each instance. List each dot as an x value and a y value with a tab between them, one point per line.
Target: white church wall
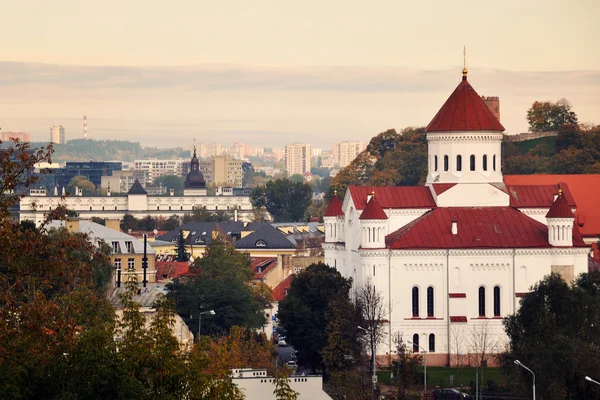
473	195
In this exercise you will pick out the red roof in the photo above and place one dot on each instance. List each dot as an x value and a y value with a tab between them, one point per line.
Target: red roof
560	208
478	227
373	210
281	290
537	196
464	111
585	189
170	269
262	264
393	196
334	208
440	188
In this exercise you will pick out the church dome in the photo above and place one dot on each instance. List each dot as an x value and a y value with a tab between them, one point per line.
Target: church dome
194	178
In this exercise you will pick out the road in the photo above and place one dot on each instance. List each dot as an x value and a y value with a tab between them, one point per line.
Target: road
284	353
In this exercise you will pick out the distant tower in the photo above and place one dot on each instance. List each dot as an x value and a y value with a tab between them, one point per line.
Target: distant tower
85	127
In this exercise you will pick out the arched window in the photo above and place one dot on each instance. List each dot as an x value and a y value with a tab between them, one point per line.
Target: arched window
260	243
459	162
415	343
415	302
494	162
496	301
430	312
446	162
485	162
432	343
481	301
435	163
472	162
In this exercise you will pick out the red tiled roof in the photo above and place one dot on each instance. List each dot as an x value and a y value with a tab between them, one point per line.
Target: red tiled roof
456	318
393	196
170	269
560	208
334	208
464	111
440	188
537	196
585	189
280	290
373	210
265	264
478	227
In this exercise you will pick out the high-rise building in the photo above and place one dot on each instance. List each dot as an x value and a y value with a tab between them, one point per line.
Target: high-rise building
21	136
297	158
148	170
57	134
223	171
346	152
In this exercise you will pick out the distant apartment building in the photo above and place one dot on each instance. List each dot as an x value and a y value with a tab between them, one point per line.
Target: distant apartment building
346	152
238	150
317	152
148	170
297	158
207	150
118	182
278	152
223	171
21	136
57	134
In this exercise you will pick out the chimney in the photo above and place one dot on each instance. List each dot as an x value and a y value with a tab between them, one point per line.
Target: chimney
72	225
114	224
454	226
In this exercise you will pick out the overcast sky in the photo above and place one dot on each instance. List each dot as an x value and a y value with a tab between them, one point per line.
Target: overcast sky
275	72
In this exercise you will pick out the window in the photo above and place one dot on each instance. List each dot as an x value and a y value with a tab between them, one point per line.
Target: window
131	263
430	312
494	162
129	246
446	163
115	247
496	301
117	263
435	163
373	270
472	162
415	343
261	243
459	162
415	301
432	343
485	162
481	301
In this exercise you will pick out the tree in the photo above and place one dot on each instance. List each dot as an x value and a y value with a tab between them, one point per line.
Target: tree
182	255
171	182
549	117
219	281
405	367
242	347
315	209
285	200
302	313
201	214
556	333
283	391
82	183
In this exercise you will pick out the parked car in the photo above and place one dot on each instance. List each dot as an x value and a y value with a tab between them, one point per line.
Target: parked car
282	342
449	394
292	364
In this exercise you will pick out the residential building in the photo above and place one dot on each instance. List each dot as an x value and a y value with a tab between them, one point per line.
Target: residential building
118	181
457	254
146	171
297	158
257	385
346	152
91	170
20	136
57	134
223	171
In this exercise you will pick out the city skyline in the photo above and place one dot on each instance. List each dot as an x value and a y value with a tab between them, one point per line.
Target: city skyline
270	73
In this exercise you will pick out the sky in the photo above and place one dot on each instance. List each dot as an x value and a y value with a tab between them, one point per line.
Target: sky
269	73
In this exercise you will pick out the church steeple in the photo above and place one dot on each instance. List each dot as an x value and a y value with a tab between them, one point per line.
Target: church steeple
195	179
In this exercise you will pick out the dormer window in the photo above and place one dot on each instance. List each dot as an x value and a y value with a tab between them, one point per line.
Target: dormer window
261	243
129	247
199	240
115	247
174	239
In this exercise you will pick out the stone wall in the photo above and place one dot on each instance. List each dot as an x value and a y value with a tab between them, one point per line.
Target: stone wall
521	137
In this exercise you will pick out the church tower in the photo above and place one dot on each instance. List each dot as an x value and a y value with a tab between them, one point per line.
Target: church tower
194	181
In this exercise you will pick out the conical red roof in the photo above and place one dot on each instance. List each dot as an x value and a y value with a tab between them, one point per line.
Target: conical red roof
373	210
334	208
560	208
464	111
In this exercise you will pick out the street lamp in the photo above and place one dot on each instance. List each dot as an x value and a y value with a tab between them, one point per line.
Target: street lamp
520	364
373	358
424	361
211	312
587	378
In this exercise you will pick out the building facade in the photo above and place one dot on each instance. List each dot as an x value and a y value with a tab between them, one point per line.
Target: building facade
346	152
452	259
57	134
297	158
148	170
93	171
21	136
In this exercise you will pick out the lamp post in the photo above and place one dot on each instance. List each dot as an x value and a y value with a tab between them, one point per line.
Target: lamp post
211	312
424	362
374	378
520	364
587	378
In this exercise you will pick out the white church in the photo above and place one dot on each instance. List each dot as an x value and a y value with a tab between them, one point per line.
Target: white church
453	258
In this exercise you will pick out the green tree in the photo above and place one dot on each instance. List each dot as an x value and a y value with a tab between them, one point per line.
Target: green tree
171	182
283	391
181	252
405	368
285	200
556	333
547	116
219	281
82	183
302	314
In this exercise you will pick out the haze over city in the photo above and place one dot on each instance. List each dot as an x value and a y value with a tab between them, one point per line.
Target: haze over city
271	73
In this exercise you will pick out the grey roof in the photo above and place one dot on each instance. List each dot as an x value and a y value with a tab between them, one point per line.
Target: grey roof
145	298
137	188
100	233
272	238
297	236
200	233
